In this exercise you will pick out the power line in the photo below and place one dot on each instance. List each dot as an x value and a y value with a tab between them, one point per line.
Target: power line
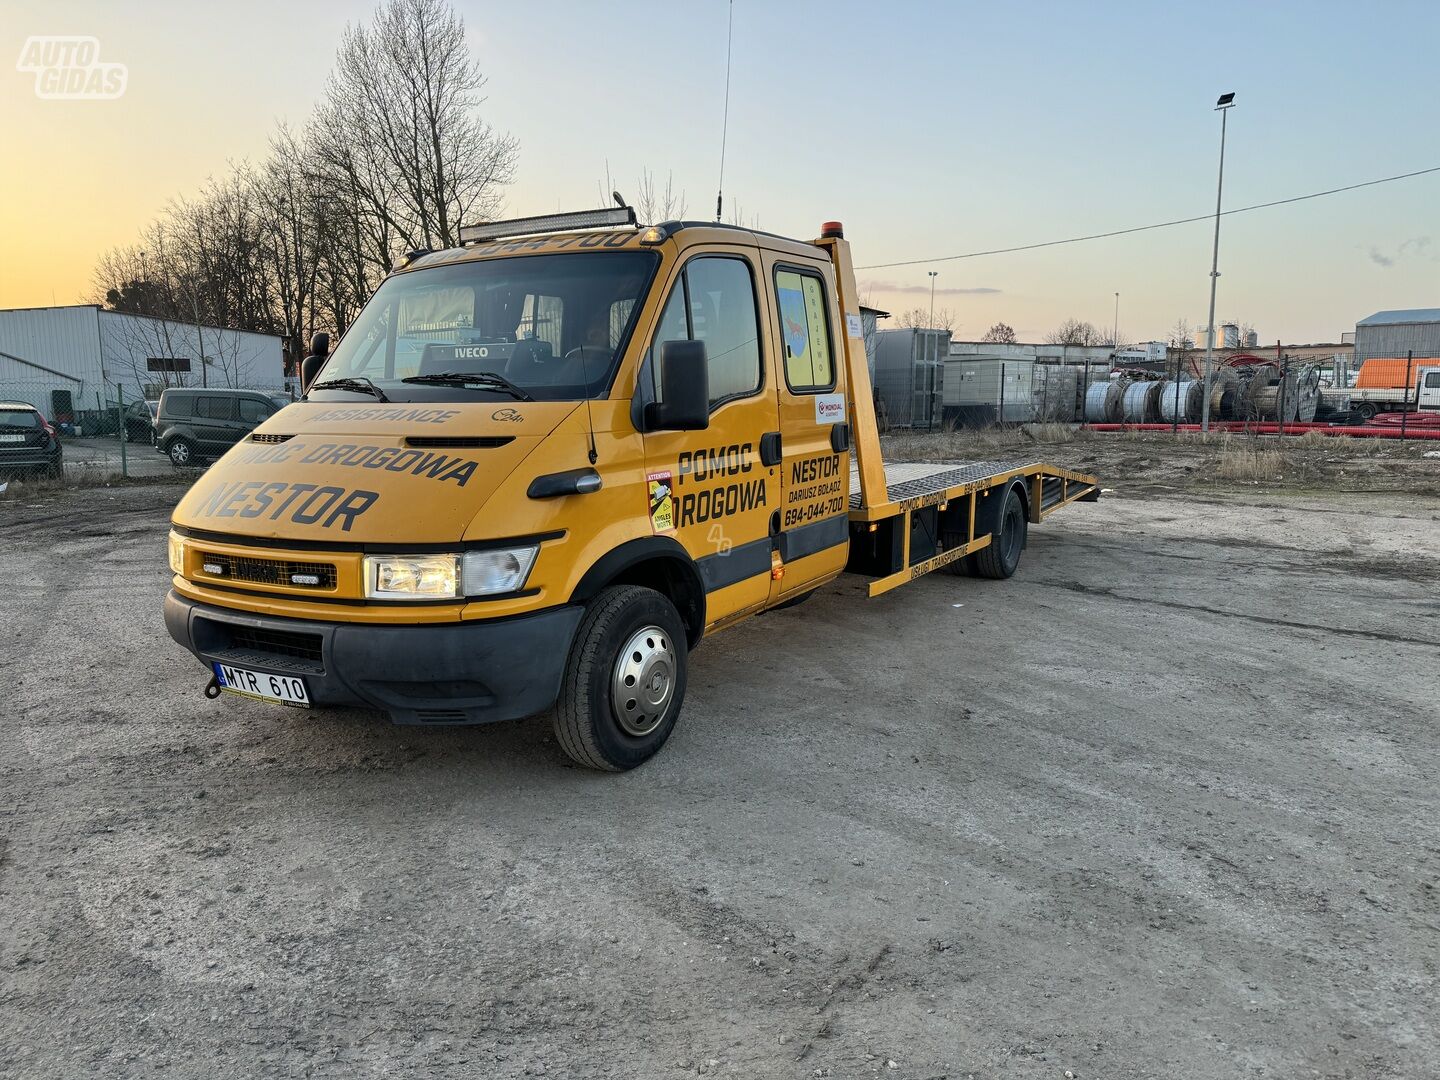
1147	228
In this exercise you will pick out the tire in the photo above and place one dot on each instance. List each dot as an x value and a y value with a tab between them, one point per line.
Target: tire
594	724
180	451
1366	410
961	567
1001	556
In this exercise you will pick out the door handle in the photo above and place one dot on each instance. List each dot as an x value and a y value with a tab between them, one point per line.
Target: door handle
839	437
770	452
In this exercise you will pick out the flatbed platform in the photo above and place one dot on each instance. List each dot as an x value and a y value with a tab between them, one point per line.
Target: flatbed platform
933	514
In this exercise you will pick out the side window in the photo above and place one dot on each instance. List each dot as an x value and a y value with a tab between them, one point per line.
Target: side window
714	302
179	405
805	330
215	408
252	411
1432	379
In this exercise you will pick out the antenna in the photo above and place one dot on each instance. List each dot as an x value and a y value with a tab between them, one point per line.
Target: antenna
725	123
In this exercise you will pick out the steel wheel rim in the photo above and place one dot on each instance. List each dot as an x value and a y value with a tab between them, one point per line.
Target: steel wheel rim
643	681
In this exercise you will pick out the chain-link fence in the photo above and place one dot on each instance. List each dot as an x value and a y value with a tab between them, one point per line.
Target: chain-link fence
101	432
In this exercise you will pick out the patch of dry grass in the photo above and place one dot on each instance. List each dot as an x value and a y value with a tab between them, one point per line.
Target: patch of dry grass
1250	462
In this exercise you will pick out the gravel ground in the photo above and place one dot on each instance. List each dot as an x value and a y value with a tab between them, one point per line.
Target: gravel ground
1163	805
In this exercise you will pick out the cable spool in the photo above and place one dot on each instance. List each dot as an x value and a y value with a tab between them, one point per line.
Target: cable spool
1180	401
1223	382
1139	402
1105	402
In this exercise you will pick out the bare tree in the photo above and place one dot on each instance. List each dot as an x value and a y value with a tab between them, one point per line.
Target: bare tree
395	158
1002	333
652	204
1181	335
920	318
398	135
1075	332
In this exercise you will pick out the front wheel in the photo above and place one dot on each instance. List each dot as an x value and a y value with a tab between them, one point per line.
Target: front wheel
624	680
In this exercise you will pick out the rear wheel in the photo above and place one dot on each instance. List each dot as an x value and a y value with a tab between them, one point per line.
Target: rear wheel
181	452
1366	410
960	567
624	681
1002	555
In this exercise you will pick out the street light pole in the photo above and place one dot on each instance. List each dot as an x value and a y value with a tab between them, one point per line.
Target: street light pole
1115	334
1223	107
933	275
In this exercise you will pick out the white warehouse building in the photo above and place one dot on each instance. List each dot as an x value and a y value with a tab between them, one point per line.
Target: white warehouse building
70	360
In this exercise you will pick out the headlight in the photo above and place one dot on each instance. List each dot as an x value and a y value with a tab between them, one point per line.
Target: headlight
448	577
501	570
412	577
177	554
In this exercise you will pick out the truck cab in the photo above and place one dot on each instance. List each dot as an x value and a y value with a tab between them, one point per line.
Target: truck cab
537	468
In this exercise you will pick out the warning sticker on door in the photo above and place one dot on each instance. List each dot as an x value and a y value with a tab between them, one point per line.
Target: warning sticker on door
854	325
662	501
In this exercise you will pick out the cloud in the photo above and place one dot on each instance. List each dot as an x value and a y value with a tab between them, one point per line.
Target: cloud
1417	247
888	287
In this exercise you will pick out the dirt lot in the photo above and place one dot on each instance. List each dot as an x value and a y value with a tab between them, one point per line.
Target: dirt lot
1164	805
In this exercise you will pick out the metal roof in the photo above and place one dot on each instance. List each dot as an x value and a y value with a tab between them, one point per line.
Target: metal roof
1404	315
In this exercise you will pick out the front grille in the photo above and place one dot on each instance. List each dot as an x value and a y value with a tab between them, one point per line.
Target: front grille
314	575
255	437
289	643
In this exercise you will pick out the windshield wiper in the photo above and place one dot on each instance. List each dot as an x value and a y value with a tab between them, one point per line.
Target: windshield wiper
487	379
358	383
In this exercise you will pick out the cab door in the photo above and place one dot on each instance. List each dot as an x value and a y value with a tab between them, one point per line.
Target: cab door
1428	396
814	538
715	490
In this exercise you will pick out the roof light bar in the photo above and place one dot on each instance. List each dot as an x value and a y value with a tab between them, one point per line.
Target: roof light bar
608	217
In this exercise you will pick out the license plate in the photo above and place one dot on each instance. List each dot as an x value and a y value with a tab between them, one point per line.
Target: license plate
282	689
12	438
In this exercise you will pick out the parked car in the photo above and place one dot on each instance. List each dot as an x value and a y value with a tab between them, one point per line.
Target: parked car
27	442
193	423
140	421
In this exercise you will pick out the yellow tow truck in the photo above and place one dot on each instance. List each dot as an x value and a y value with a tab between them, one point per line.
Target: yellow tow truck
541	467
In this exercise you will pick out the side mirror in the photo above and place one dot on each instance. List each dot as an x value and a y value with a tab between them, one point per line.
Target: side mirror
684	387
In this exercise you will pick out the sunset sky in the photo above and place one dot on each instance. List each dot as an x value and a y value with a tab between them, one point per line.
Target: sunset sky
929	129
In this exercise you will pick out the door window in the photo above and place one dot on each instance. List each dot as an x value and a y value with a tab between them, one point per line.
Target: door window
1432	380
714	302
805	330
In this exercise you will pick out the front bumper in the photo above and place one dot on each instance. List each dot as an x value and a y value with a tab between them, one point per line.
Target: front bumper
455	673
30	457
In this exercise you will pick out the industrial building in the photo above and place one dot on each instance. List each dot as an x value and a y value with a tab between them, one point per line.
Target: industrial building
1395	333
67	361
909	377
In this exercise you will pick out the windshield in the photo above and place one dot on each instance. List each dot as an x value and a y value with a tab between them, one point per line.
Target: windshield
16	418
550	326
